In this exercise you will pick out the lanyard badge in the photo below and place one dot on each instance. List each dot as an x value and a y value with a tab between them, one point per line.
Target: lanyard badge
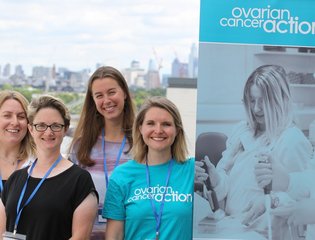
19	207
158	216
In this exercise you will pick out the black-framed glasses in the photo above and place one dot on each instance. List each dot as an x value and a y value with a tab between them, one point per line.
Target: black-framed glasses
42	127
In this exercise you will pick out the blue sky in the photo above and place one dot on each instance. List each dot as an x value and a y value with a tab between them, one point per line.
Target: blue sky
78	34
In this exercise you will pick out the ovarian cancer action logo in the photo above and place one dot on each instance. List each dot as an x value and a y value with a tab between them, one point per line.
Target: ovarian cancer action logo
271	20
157	194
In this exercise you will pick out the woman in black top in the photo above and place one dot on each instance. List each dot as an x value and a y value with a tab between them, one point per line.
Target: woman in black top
54	198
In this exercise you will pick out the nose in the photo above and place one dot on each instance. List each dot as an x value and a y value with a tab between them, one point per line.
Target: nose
257	107
106	99
49	131
158	128
15	120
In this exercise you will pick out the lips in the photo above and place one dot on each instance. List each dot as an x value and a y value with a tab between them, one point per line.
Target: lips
110	108
259	116
13	130
158	138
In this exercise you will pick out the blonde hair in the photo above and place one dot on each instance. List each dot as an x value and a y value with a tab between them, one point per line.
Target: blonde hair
27	147
179	147
277	104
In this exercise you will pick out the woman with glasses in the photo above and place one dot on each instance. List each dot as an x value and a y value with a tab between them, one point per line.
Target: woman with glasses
16	150
53	198
103	138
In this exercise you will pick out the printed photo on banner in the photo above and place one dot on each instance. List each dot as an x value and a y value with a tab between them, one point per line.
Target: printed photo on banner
255	129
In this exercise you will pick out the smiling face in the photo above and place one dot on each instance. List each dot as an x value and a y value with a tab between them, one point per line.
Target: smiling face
47	140
158	130
256	105
13	122
109	98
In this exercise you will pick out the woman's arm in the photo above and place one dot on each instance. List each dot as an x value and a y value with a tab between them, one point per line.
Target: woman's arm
3	219
83	218
114	230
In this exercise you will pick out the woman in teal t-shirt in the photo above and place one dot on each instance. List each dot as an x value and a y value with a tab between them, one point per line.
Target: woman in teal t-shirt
150	197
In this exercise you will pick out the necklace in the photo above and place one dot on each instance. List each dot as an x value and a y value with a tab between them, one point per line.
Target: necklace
10	162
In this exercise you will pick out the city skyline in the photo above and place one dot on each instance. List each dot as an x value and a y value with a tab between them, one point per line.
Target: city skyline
97	32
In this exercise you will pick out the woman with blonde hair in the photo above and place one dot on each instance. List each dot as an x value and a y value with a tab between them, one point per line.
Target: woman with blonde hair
269	133
150	197
16	149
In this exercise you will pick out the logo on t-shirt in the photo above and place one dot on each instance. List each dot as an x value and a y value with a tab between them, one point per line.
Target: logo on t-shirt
157	193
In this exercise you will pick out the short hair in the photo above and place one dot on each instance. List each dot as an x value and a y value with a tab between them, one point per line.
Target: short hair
27	147
86	137
179	147
47	101
277	103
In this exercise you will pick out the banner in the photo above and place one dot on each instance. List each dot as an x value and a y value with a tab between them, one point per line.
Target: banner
255	120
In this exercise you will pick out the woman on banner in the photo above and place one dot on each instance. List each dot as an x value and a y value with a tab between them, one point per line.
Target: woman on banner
17	150
268	132
103	136
150	197
53	198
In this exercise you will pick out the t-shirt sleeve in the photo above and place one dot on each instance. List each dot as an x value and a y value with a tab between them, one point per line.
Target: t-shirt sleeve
114	202
84	187
73	153
7	186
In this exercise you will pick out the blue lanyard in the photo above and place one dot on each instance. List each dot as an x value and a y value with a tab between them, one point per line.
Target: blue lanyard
157	216
20	208
104	154
1	184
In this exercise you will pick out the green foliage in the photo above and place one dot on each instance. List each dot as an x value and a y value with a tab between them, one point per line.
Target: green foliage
26	91
74	101
139	95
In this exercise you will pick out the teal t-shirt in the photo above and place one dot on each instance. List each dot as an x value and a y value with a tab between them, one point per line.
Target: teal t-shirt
127	199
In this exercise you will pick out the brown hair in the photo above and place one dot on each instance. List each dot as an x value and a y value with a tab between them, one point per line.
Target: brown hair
91	122
47	101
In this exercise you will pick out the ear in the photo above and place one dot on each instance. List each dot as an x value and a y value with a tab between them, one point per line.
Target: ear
140	129
30	129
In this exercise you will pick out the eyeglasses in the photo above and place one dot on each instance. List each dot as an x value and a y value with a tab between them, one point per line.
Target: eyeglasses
42	127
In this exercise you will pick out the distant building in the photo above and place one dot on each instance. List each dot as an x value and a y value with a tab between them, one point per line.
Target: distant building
193	62
40	76
134	75
165	80
7	70
179	69
152	76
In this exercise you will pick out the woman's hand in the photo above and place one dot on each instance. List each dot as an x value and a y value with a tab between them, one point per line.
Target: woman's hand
271	171
263	172
303	212
201	174
254	210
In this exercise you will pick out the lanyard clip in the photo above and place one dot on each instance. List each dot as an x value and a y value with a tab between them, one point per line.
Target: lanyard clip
157	235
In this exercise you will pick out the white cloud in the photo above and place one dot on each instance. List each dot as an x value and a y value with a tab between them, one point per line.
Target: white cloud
78	34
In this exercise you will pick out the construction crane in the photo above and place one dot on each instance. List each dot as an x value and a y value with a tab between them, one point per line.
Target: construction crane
159	61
